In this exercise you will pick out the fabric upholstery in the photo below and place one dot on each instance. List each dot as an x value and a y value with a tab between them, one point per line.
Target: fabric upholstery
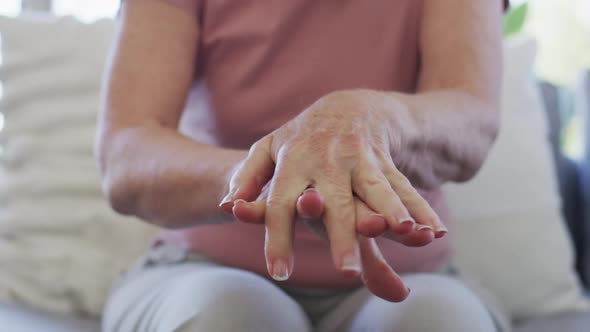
583	105
16	318
509	232
61	245
568	175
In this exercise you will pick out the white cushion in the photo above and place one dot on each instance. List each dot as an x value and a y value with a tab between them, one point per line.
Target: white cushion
61	246
509	234
22	319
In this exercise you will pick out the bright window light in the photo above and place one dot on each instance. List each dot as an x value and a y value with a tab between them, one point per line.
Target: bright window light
86	10
10	7
583	13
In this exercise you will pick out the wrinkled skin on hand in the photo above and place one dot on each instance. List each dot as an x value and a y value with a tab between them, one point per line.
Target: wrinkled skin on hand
332	168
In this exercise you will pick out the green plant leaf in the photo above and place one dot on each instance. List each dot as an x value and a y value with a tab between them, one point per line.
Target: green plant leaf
514	20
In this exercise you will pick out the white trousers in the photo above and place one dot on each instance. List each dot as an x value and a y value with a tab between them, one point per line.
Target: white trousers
194	296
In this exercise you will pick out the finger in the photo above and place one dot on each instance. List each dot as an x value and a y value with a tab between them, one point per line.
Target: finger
310	208
378	276
368	223
417	238
249	212
340	222
310	205
373	188
251	176
285	188
425	217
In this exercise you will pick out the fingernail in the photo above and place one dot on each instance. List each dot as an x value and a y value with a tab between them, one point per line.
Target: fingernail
239	201
441	231
351	262
227	199
280	269
421	227
407	221
233	209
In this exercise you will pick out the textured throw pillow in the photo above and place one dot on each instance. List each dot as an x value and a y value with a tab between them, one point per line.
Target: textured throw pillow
508	231
61	246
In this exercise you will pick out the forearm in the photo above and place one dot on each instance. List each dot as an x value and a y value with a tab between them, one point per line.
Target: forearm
149	169
445	130
440	136
165	178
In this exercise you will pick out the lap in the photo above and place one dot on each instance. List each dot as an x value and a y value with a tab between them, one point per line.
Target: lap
187	295
436	303
200	297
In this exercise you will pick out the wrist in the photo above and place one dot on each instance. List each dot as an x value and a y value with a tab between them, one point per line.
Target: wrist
402	127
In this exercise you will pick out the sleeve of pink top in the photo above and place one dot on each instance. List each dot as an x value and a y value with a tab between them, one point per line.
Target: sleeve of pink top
190	6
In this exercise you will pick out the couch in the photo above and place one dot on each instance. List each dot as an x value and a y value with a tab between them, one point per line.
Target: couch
21	319
14	318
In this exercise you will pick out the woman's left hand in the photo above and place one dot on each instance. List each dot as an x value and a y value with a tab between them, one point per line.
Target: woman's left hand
377	274
341	146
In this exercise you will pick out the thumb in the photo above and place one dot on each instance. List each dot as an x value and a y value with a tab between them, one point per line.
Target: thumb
251	176
378	276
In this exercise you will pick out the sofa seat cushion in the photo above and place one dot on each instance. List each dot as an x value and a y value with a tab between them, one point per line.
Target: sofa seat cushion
22	319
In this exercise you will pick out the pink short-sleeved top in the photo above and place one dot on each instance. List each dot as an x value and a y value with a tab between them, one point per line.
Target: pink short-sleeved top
261	63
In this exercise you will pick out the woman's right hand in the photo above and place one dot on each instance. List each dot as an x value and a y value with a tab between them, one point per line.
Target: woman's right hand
342	145
377	274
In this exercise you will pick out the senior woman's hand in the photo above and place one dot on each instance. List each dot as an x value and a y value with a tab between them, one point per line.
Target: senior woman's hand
340	147
377	275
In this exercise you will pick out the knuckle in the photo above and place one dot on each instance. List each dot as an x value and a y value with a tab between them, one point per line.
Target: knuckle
371	183
339	196
352	140
331	174
256	146
341	208
291	152
260	145
350	147
294	149
399	181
